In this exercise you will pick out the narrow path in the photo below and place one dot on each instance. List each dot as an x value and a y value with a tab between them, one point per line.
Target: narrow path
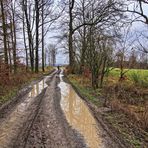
51	115
21	115
50	128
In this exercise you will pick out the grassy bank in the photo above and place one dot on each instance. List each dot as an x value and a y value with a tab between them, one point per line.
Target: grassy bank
9	86
127	103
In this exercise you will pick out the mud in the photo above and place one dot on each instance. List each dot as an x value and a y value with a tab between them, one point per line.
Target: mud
41	119
13	123
50	128
111	138
38	121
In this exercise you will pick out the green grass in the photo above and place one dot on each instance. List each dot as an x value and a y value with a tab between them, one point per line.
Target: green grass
137	76
116	72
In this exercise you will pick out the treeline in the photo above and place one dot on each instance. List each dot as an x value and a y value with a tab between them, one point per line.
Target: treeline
97	32
24	25
99	35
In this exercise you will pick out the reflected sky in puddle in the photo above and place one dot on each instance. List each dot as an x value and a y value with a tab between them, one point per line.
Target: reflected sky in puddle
14	121
79	116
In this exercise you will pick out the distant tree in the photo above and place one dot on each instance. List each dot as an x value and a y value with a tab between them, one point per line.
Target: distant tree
133	59
52	54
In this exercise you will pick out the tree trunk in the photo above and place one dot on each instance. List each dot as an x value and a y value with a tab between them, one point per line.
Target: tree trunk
30	41
13	27
26	50
71	51
94	79
10	59
4	33
43	56
82	61
37	36
102	72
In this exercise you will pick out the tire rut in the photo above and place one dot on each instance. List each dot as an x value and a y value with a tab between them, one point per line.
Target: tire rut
16	126
50	128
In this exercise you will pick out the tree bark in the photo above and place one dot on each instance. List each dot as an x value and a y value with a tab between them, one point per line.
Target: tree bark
30	41
43	55
26	50
4	33
10	59
13	27
37	36
71	51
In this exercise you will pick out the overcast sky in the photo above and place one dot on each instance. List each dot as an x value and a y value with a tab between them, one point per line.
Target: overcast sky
61	57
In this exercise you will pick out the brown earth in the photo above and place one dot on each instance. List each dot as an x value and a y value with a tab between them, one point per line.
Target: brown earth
37	120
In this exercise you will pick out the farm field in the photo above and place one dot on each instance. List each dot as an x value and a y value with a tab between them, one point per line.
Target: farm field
143	73
137	76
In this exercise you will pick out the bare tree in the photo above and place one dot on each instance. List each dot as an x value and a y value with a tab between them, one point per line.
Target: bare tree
4	31
37	36
29	33
52	54
13	33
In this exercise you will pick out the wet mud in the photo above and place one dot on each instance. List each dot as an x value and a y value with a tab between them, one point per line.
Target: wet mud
51	115
14	122
79	116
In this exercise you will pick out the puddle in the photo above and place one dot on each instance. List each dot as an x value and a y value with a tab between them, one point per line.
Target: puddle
14	121
79	116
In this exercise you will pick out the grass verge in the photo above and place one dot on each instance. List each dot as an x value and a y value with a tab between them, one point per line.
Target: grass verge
125	115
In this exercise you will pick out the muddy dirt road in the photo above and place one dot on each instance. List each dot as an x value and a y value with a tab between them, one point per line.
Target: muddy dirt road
51	115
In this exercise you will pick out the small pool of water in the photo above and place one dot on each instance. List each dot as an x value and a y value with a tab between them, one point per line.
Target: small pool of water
79	116
14	121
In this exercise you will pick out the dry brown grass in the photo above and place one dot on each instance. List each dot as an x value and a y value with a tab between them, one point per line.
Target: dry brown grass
129	99
10	83
137	114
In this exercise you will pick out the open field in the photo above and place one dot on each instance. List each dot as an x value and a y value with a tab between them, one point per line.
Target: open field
142	72
137	76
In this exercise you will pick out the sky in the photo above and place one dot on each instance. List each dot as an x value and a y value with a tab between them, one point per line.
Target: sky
61	57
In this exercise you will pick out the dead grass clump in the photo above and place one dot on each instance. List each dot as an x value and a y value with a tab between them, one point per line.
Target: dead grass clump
4	73
11	82
138	117
144	117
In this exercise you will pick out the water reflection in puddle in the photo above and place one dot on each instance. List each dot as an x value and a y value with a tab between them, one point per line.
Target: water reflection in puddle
79	116
14	121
